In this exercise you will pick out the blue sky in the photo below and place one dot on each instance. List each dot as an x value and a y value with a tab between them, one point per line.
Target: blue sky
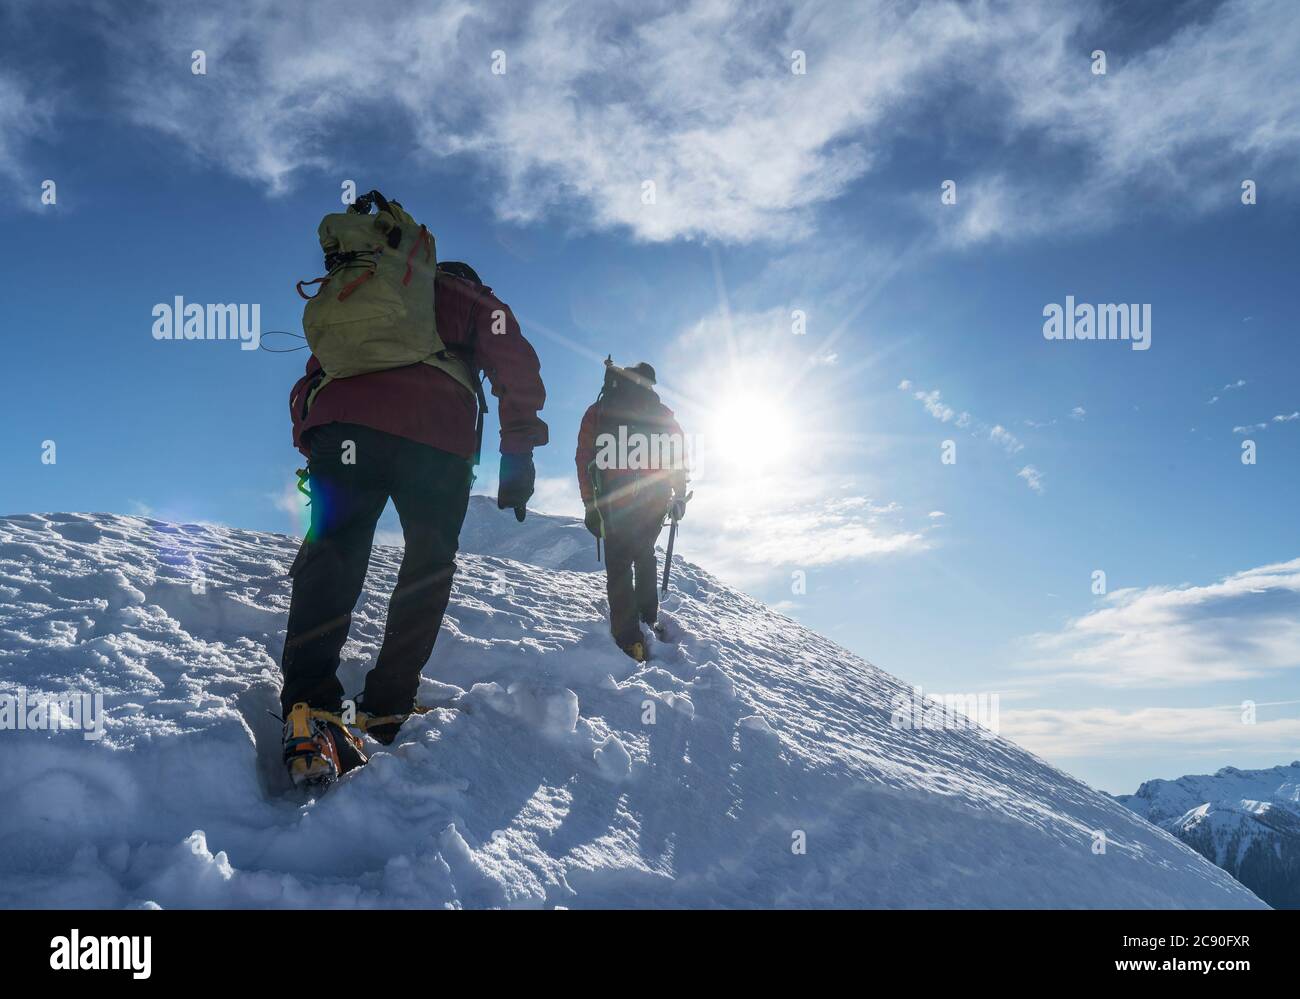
776	194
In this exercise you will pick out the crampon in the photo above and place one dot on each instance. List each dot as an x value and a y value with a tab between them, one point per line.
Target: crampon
319	746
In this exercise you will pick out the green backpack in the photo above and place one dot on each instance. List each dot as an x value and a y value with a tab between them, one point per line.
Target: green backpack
374	309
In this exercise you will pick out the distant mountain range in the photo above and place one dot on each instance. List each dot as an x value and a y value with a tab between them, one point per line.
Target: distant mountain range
1246	821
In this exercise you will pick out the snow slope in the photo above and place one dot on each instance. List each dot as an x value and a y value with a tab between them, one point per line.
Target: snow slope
551	788
1246	821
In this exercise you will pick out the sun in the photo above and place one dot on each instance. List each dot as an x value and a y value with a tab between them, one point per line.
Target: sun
749	431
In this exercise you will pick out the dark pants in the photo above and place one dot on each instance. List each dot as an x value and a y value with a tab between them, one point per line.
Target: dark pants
631	569
430	489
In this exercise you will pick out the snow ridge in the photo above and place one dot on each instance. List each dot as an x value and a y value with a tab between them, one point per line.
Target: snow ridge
751	762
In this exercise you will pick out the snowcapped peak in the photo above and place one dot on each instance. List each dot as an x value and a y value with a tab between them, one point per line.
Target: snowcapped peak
1246	821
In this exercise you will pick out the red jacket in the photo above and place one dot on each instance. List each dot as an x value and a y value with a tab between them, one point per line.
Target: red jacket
423	404
624	486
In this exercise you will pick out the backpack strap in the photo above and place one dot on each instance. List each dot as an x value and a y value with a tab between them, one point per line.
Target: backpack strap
464	360
593	472
353	285
478	423
421	240
472	339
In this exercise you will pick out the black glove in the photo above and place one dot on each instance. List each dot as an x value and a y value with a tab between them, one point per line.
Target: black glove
516	483
592	519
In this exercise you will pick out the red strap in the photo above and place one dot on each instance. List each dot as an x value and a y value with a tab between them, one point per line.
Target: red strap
423	238
354	285
320	281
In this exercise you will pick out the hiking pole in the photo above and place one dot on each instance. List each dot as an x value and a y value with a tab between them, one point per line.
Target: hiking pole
668	562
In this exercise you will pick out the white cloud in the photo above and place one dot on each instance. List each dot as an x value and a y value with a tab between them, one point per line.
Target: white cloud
1078	414
1181	109
293	504
24	113
1247	625
995	433
698	97
744	535
1102	731
935	406
1166	126
1033	478
940	410
1004	438
557	495
1279	418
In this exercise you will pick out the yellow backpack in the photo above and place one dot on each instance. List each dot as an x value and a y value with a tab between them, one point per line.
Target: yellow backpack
374	309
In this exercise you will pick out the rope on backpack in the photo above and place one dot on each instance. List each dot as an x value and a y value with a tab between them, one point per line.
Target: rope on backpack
322	281
286	350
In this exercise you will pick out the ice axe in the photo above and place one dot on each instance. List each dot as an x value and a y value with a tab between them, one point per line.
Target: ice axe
672	539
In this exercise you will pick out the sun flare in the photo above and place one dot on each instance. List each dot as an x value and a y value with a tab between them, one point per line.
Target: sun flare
750	431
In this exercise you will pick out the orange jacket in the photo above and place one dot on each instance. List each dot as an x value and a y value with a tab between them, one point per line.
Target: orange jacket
626	477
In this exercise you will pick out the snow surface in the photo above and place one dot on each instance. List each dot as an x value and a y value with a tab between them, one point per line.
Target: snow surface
572	777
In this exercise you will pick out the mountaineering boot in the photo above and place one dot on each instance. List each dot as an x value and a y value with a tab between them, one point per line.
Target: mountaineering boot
636	649
310	751
317	750
381	725
384	729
